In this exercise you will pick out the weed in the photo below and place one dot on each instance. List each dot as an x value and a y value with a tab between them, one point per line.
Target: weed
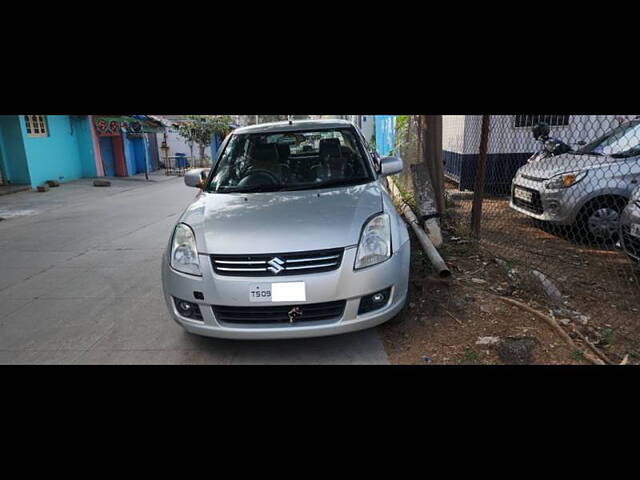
607	336
470	357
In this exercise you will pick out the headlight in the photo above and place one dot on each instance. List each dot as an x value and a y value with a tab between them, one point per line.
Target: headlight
375	242
566	180
184	254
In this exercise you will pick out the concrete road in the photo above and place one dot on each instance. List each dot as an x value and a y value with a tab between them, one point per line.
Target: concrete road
80	283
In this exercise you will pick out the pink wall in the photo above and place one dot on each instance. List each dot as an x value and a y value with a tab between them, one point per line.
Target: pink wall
96	148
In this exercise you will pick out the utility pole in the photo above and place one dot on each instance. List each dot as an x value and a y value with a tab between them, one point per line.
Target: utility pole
481	168
431	137
257	119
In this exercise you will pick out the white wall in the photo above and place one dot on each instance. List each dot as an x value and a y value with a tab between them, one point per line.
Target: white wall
178	144
368	125
461	133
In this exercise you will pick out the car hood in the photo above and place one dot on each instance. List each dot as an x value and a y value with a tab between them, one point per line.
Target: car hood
547	168
281	222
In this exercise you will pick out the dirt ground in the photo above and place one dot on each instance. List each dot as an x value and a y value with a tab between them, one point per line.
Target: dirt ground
446	319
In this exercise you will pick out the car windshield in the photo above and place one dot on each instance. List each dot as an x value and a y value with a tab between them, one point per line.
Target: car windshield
260	162
623	141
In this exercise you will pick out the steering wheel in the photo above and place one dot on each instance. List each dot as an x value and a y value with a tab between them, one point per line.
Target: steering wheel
258	176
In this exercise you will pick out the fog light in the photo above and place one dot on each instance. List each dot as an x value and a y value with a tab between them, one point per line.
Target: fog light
553	205
374	301
377	298
188	309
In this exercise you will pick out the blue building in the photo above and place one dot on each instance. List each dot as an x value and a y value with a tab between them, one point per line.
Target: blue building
385	131
37	148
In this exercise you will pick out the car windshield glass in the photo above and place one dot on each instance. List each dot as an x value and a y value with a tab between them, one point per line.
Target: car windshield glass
622	141
260	162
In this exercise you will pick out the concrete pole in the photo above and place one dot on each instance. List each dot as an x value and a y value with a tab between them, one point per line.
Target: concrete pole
432	155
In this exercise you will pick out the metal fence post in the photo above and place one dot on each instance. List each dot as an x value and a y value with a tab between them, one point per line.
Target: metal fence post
481	167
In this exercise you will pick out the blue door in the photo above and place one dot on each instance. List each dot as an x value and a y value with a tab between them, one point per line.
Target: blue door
106	152
139	154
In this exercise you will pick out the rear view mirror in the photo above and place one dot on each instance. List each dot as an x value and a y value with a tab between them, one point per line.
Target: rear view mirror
390	166
193	177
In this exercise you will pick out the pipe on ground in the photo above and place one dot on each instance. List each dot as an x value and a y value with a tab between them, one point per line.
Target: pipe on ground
425	242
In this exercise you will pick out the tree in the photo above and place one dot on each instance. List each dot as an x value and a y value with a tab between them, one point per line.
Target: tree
201	128
251	119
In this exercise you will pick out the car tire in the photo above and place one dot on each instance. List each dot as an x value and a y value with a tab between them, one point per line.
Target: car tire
599	219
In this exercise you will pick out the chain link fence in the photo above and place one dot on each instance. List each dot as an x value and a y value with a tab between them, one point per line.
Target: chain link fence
560	199
556	199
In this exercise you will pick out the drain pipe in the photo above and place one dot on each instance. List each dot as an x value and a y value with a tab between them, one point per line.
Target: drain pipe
425	242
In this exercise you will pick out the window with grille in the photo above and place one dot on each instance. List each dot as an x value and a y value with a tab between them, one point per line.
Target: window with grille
552	120
36	125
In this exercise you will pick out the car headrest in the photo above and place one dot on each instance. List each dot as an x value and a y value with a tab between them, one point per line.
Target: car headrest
265	153
329	146
284	151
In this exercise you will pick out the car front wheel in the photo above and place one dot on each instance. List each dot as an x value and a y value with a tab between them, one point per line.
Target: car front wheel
600	219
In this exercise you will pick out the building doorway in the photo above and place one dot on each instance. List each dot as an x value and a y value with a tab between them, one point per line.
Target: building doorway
108	158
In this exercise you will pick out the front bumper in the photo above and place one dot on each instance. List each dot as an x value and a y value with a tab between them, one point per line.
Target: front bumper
630	244
341	284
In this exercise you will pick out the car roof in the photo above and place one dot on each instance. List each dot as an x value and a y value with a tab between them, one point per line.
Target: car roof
294	125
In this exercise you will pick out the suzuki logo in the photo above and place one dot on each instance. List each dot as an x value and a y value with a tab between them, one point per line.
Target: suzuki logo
275	265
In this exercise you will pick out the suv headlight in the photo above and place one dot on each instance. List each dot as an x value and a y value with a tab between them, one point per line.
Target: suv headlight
375	242
566	180
184	254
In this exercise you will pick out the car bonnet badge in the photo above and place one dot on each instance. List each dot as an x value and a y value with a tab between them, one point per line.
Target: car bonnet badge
275	265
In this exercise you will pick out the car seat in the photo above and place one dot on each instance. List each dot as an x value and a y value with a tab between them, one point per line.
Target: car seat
265	157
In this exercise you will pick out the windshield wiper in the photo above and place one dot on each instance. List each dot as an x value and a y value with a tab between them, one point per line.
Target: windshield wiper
253	189
333	183
580	152
629	153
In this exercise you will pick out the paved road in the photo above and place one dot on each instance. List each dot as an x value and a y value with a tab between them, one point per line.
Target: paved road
80	283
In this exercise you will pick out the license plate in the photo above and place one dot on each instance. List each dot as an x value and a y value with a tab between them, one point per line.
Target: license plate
522	194
635	229
278	292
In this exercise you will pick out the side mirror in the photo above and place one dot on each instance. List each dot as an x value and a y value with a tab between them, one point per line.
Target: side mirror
193	177
390	166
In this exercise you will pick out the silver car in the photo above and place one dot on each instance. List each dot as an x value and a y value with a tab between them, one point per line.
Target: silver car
588	188
630	227
292	235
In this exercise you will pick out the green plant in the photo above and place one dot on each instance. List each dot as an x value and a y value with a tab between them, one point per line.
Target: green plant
470	357
401	138
406	196
607	336
200	129
577	355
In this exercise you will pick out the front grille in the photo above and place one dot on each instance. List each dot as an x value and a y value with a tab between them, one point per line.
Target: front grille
277	264
535	206
312	312
630	243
